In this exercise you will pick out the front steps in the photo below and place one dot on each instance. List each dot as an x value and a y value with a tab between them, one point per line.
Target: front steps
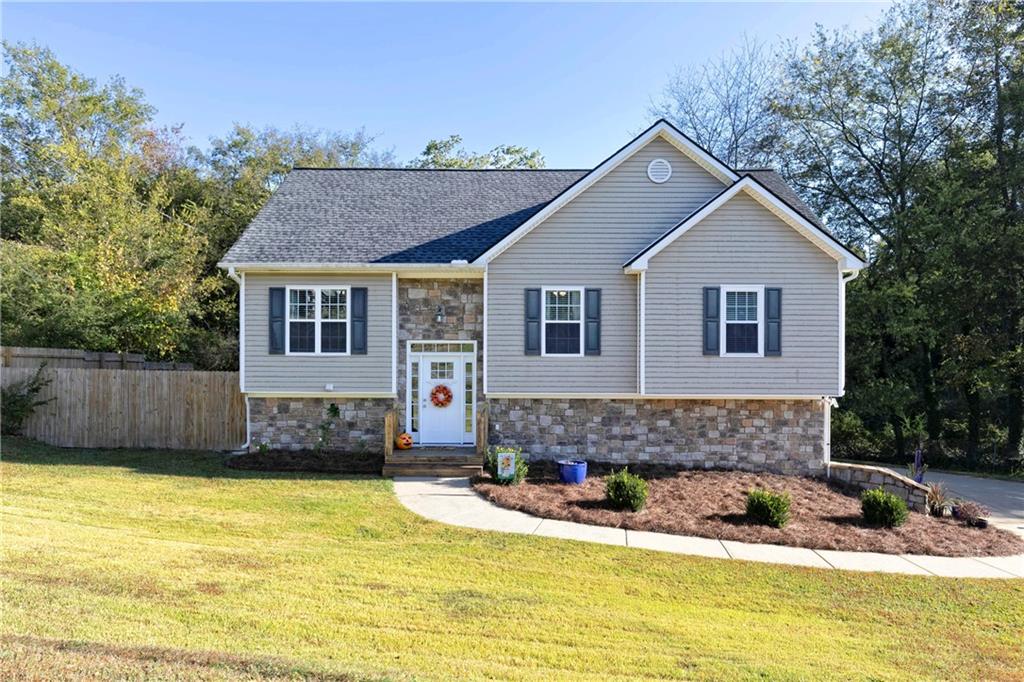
441	462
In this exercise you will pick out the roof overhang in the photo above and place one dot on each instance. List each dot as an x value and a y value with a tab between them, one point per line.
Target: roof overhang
848	261
455	270
661	129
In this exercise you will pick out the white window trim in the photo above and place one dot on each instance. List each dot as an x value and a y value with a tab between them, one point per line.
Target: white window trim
723	290
316	319
544	321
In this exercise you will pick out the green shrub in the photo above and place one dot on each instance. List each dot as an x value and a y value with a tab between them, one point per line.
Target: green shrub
19	399
491	464
768	508
882	508
626	490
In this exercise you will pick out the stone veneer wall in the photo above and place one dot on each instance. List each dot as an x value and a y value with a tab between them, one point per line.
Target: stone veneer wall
293	423
780	436
463	304
868	477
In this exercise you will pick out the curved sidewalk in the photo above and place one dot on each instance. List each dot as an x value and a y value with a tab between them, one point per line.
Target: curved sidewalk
452	501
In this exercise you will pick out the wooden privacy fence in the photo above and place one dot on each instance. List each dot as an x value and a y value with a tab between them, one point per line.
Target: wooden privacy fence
115	408
73	358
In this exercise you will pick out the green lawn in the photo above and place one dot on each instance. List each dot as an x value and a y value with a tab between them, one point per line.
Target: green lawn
120	564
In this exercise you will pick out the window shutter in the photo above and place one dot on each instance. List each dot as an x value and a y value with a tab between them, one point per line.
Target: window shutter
712	311
277	321
358	317
773	321
592	307
532	330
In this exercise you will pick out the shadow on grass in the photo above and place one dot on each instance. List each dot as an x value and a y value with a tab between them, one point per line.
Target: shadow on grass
37	658
186	463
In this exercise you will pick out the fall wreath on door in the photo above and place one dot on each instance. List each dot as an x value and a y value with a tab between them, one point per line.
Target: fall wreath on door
441	396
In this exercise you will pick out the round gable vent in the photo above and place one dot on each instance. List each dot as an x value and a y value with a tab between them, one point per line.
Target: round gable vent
659	171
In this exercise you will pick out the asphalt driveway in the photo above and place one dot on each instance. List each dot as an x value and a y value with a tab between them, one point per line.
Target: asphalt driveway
1005	499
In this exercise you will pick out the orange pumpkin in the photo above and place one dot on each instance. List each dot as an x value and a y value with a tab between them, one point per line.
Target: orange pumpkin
404	441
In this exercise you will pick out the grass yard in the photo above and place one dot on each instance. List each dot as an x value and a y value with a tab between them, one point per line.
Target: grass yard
122	564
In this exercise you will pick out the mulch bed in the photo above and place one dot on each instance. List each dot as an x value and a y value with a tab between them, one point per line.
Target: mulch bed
334	462
711	504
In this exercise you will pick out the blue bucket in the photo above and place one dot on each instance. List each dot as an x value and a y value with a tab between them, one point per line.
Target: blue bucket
572	470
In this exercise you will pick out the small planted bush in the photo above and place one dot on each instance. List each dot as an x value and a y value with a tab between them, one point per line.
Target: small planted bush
626	490
768	508
881	508
971	513
937	498
499	453
19	399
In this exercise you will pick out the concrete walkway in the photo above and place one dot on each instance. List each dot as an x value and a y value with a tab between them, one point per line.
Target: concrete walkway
452	501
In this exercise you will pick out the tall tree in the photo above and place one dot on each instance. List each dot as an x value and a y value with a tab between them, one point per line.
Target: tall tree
91	259
449	153
724	104
990	37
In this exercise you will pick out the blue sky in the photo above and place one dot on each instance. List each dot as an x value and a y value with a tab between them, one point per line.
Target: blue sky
572	80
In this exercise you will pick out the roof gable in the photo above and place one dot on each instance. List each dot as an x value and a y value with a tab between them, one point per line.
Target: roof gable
661	129
749	184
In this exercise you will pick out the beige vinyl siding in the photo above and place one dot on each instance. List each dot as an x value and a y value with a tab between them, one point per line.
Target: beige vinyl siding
742	243
351	374
585	245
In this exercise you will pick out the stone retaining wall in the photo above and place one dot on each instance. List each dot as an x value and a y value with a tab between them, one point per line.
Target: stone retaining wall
293	423
868	477
780	436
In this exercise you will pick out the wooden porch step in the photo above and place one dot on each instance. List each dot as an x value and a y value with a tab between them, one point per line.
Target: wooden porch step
455	460
392	469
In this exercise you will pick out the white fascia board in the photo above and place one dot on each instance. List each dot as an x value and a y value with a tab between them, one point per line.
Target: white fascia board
848	260
660	129
446	270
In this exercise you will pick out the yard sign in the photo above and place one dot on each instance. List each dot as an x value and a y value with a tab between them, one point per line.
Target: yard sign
506	464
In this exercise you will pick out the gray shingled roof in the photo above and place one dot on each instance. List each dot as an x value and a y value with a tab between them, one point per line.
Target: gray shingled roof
359	215
394	216
774	182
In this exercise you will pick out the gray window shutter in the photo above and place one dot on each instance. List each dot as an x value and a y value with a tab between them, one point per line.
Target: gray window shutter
277	321
592	306
773	321
532	332
711	316
358	317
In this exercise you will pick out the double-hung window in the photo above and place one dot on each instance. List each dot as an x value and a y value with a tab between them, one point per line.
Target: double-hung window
317	320
742	317
563	321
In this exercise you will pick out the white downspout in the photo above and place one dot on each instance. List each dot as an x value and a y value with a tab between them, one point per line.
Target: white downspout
830	402
643	333
241	349
842	326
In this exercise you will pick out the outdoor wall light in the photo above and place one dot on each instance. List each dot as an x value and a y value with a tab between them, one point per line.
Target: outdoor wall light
439	315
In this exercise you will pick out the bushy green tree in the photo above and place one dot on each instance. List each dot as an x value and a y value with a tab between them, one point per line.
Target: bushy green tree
449	153
91	258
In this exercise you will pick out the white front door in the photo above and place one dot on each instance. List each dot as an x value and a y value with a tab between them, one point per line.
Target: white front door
442	424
